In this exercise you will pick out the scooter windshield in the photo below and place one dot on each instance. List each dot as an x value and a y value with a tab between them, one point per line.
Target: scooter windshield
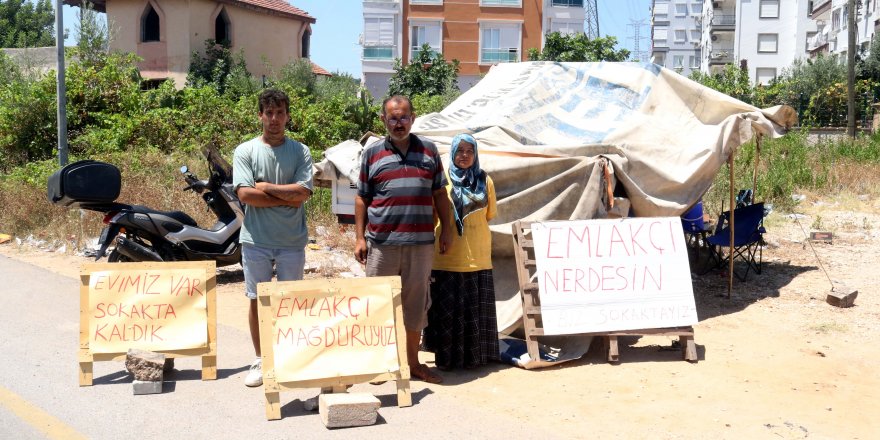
218	164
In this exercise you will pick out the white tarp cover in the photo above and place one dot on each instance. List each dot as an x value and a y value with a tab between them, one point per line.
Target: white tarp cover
546	131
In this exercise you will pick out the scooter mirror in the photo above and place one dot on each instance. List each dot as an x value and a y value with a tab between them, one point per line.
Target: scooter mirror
184	169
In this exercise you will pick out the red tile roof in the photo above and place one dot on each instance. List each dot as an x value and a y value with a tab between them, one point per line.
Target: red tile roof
273	6
318	70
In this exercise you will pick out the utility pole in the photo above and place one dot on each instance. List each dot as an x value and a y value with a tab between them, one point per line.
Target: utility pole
851	69
59	86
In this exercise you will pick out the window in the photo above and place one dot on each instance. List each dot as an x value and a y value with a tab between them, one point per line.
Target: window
835	20
150	22
681	10
696	36
378	38
769	9
569	3
422	33
660	59
680	35
697	9
763	75
660	35
678	62
506	3
499	42
693	61
661	9
767	43
567	27
305	42
426	2
222	32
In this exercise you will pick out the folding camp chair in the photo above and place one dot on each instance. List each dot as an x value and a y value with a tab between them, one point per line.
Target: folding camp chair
748	238
694	227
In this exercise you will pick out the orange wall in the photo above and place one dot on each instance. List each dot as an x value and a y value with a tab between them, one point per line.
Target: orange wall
461	29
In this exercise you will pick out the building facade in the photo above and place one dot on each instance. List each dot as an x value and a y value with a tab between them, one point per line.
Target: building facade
477	33
165	32
676	34
831	18
762	36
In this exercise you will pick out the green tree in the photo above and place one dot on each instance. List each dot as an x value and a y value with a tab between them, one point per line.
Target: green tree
298	76
731	81
216	67
578	47
427	74
25	23
93	36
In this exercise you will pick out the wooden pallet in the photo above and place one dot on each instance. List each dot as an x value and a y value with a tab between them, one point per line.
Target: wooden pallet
526	266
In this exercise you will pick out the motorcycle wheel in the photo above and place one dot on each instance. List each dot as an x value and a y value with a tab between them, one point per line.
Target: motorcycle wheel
116	257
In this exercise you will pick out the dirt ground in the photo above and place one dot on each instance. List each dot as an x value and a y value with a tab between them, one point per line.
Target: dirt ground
775	360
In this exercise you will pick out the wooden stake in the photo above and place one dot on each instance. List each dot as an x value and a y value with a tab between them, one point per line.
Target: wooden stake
730	225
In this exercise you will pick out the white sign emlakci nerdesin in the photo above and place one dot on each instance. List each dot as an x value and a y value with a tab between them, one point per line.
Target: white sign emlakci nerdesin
613	274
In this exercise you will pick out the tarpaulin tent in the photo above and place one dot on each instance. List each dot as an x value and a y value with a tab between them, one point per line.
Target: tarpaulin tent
561	139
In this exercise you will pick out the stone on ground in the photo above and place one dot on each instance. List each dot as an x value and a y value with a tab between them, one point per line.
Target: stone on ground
145	365
342	410
842	296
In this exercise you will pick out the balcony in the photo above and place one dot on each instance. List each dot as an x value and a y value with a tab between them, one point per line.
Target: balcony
723	21
721	54
378	53
817	41
491	56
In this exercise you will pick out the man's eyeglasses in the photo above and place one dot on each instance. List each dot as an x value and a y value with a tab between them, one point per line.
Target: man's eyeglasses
402	120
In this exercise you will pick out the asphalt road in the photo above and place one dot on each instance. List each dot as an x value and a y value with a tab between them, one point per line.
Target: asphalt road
40	396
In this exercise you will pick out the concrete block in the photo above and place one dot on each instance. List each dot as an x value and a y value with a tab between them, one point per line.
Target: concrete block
342	410
147	387
842	296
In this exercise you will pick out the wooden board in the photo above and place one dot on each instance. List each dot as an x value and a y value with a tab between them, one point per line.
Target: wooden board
208	354
523	248
272	387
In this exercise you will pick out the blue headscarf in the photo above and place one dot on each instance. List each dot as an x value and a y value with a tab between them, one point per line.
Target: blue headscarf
468	184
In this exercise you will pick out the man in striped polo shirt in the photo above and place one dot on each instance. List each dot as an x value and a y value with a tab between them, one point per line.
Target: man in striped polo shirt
401	182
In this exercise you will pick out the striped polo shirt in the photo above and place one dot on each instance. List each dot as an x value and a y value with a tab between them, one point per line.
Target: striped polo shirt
399	189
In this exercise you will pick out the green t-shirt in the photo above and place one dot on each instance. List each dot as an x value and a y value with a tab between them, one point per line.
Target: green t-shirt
277	227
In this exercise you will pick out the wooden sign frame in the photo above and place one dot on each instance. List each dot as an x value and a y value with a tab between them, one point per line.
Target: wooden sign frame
208	354
533	324
272	388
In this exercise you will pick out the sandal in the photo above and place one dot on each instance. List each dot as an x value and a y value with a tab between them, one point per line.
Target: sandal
423	373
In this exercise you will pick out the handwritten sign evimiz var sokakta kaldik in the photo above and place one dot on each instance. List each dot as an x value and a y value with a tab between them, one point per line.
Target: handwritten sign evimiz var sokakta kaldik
333	329
613	274
154	308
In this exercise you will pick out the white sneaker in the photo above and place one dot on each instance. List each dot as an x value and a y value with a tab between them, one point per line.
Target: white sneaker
254	377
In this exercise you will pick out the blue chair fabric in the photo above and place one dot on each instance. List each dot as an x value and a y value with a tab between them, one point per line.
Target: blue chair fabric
748	238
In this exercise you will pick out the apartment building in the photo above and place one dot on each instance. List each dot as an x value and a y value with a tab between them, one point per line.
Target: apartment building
831	18
676	34
477	33
763	36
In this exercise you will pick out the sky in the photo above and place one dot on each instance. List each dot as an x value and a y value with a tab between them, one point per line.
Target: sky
340	22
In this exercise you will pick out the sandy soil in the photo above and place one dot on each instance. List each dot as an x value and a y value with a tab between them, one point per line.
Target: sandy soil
775	361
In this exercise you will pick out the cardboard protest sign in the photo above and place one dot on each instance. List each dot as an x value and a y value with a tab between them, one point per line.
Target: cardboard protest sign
330	333
151	309
613	274
168	307
318	333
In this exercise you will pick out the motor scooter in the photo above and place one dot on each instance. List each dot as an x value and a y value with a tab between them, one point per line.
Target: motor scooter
139	233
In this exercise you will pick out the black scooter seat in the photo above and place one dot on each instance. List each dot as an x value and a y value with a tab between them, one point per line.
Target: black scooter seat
180	216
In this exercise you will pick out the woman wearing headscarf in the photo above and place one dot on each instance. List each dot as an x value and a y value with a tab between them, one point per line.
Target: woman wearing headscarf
462	330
